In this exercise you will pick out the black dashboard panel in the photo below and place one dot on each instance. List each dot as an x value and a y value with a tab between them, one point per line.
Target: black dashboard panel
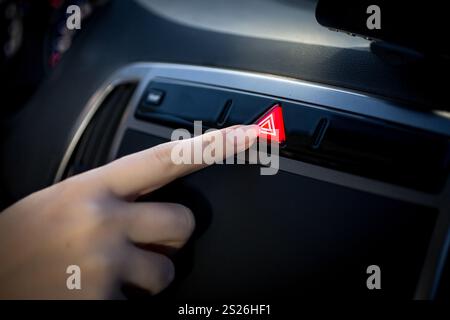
273	237
344	211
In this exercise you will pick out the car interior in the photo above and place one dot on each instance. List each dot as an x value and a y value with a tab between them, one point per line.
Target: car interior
363	168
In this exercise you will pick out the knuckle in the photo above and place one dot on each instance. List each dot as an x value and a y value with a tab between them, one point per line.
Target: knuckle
162	153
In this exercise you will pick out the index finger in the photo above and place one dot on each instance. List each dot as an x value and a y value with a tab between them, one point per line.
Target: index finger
148	170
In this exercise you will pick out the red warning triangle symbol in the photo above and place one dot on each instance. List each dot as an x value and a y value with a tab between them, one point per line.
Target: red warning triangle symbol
271	125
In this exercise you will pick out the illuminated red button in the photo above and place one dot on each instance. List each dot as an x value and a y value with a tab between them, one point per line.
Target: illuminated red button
271	125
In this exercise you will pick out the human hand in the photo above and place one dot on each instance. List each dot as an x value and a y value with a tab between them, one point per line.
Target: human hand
91	221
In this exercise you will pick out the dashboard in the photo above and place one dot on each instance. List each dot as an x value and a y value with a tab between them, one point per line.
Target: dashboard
371	213
363	174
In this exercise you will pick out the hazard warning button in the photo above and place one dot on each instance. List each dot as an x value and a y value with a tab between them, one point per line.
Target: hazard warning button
271	125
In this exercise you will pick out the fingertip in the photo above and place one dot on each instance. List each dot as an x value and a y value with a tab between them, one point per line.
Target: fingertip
252	130
242	137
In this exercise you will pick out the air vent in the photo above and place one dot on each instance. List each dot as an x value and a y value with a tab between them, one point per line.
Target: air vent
94	145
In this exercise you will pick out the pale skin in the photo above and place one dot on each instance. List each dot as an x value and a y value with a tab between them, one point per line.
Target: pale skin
91	220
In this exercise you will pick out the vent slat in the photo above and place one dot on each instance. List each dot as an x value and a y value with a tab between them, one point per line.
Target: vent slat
93	148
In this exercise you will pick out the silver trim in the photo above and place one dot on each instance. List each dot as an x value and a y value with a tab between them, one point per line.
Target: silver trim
321	95
120	77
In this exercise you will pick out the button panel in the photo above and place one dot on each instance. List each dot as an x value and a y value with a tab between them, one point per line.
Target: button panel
314	134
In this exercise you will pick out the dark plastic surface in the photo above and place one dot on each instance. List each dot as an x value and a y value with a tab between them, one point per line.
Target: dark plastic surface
350	16
367	147
443	287
275	237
